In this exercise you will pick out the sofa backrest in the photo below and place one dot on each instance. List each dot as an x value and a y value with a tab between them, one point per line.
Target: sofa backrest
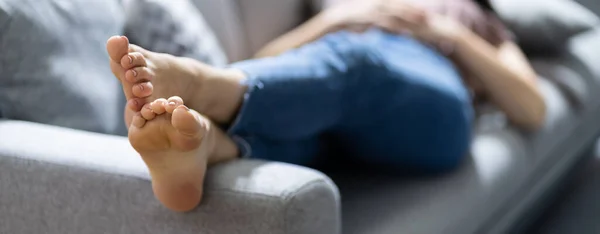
244	26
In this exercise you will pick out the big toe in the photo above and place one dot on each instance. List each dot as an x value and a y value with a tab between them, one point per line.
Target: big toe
117	47
189	122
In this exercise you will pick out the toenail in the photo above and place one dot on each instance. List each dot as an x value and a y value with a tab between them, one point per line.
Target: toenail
135	102
130	59
141	87
171	103
134	73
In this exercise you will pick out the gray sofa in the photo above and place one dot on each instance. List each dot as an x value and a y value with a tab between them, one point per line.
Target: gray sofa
56	180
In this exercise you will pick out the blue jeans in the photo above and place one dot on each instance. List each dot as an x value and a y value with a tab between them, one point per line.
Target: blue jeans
382	99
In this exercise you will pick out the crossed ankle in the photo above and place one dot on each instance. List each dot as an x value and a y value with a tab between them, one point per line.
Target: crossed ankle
220	95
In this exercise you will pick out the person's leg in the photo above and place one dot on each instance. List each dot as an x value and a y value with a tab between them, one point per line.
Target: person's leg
385	99
417	116
290	99
294	99
339	83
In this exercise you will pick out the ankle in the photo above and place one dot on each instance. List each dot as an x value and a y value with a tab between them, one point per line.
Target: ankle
222	93
225	149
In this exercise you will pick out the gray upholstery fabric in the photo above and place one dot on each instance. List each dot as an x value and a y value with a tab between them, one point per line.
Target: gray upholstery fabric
257	19
545	25
225	19
54	66
508	170
55	180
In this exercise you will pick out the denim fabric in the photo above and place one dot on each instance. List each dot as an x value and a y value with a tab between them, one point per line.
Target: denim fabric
385	99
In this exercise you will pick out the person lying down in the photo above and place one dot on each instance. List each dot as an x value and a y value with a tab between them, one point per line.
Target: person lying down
391	84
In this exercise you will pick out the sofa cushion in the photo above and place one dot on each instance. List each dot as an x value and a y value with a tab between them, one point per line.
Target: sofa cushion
54	64
176	28
545	26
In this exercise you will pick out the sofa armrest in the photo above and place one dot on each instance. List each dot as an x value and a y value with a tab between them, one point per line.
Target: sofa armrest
57	180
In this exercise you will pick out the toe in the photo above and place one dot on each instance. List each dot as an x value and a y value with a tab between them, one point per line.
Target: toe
138	121
138	74
135	104
173	103
133	59
188	122
117	47
147	112
142	90
158	106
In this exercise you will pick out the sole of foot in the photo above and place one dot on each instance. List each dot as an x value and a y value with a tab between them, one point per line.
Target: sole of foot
175	142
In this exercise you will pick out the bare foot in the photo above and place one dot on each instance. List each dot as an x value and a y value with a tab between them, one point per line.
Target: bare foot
176	144
146	76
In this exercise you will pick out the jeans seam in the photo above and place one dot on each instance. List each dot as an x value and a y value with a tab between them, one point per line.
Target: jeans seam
243	146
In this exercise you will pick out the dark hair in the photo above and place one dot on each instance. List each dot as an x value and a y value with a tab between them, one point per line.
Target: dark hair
485	4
